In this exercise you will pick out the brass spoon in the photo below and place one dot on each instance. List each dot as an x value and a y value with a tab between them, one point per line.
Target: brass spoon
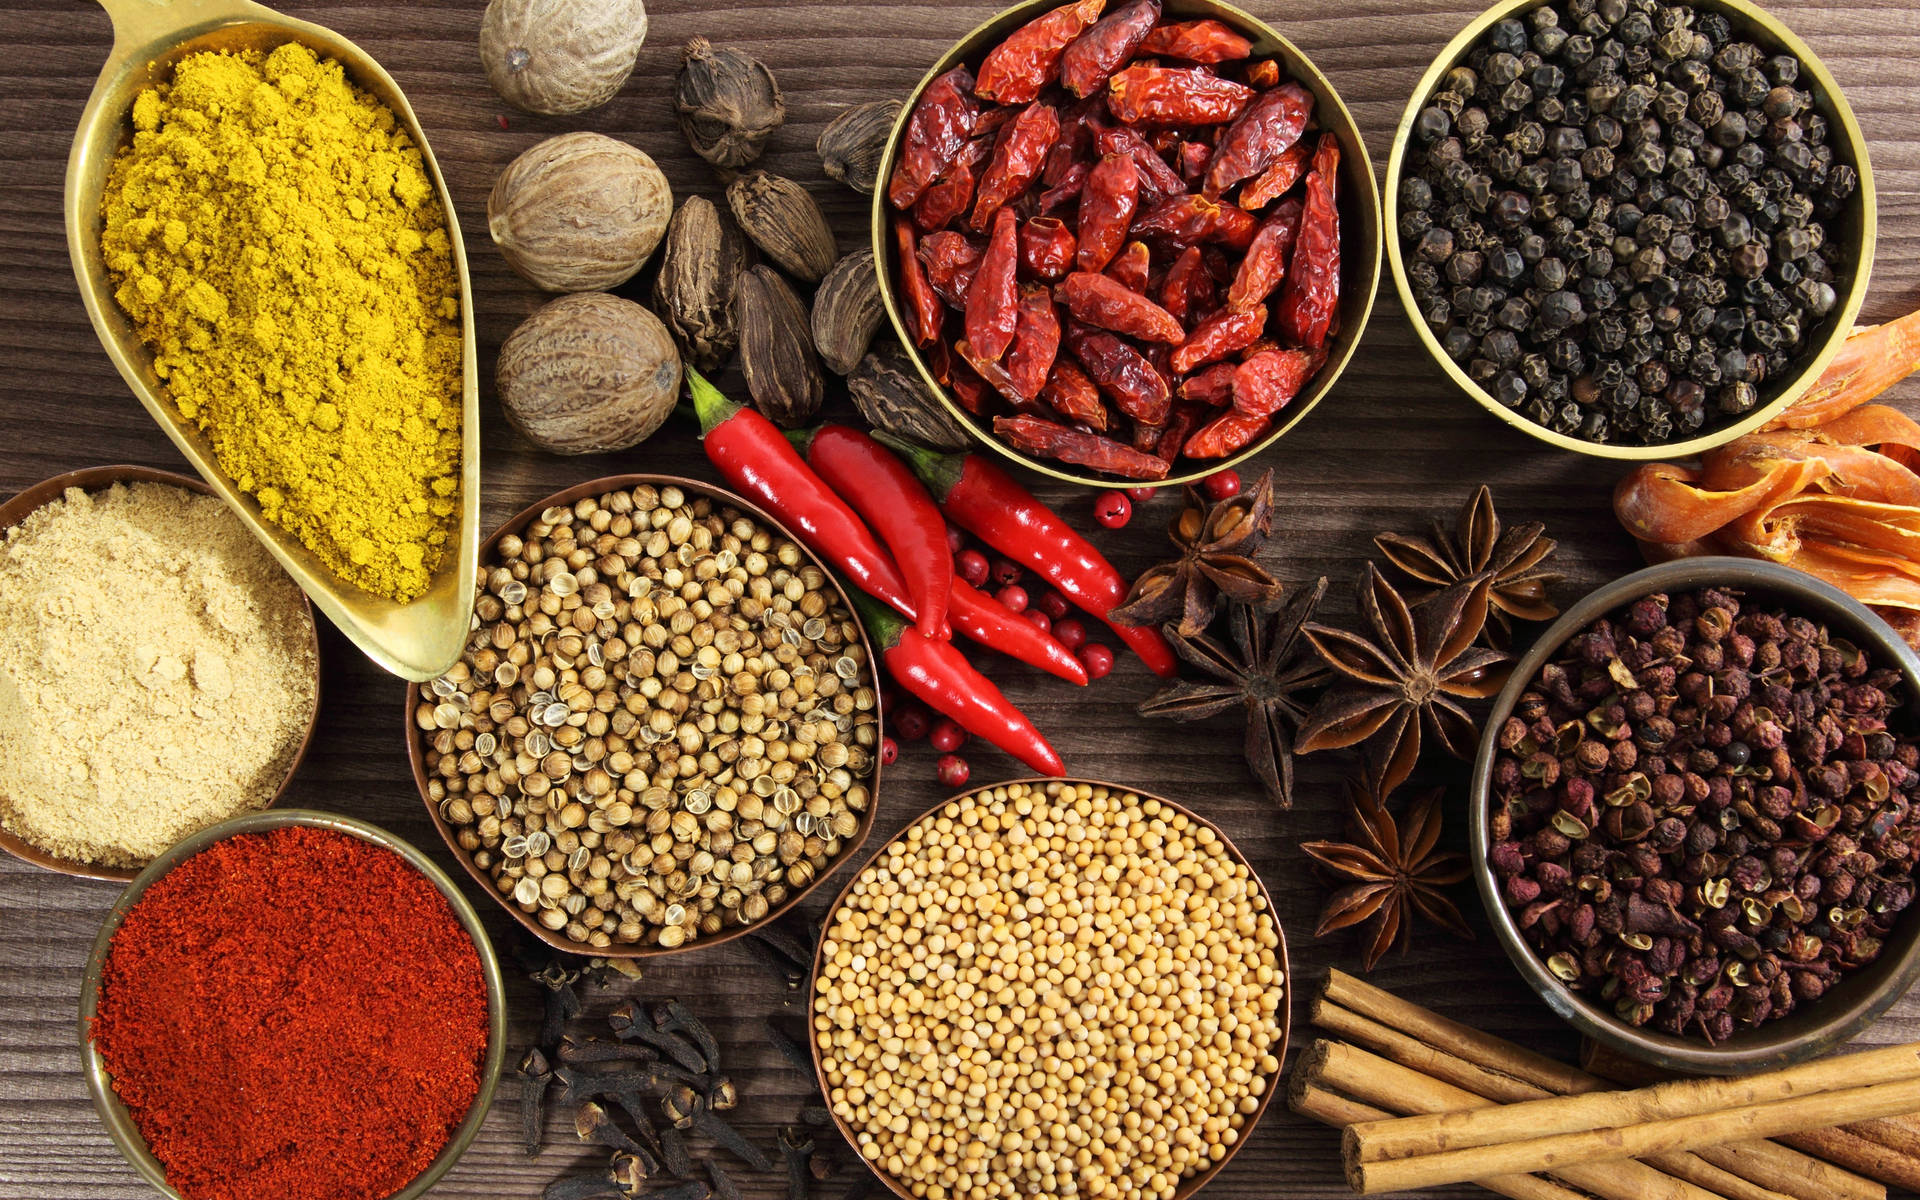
417	640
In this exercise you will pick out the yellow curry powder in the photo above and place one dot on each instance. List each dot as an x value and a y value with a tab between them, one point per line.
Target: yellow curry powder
275	236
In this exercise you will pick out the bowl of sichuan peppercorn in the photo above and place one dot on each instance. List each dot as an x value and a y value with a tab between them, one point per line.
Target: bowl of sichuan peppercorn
1127	240
1694	820
1631	228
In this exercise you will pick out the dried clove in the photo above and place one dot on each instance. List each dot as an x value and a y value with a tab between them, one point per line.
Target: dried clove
628	1025
788	944
580	1187
796	1146
591	1123
630	1172
673	1017
790	1049
815	1115
562	1002
579	1085
723	1184
691	1190
721	1095
680	1104
851	145
716	1129
634	1104
577	1051
729	103
534	1074
792	972
673	1152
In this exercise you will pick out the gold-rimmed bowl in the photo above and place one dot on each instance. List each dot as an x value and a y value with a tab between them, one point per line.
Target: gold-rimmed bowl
1856	229
1191	1183
417	750
418	639
1357	197
96	479
119	1120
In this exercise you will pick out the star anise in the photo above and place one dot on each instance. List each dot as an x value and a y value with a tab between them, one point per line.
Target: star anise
1419	665
1477	545
1217	545
1390	873
1266	672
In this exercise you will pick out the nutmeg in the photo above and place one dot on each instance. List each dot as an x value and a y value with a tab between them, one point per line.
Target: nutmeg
579	212
588	373
558	57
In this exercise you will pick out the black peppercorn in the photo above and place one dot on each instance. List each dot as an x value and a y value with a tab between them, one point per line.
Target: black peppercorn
1432	124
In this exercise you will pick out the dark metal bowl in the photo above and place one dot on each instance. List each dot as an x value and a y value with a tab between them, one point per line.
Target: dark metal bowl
1848	1007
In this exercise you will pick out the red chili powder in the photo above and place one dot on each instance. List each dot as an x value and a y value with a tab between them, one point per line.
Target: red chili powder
296	1013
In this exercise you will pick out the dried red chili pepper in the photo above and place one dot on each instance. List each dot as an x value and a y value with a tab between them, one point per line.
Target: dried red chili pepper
927	313
941	123
1265	264
1312	290
950	195
1148	94
1014	71
1226	331
1183	221
980	497
1205	41
1271	124
1036	343
1146	437
994	375
1132	267
1213	386
940	362
1016	161
969	390
1048	439
1263	74
1107	203
1180	425
1265	383
1074	396
294	1012
1122	372
1155	174
992	624
1047	247
1187	291
1101	302
1192	158
1095	55
994	298
1225	434
895	505
1278	178
1066	192
950	260
1075	143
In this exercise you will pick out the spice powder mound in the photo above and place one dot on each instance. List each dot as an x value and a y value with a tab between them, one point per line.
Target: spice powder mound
275	238
293	1013
1058	991
156	672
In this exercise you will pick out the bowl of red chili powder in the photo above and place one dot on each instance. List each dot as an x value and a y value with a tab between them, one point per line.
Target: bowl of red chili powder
292	1003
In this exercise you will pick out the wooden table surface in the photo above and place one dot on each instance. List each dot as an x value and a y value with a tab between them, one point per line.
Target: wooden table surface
1391	446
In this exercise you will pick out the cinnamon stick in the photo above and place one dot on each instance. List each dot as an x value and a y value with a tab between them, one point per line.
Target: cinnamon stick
1388	1085
1856	1153
1428	1164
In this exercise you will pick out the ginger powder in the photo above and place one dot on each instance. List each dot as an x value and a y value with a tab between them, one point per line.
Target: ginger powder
275	237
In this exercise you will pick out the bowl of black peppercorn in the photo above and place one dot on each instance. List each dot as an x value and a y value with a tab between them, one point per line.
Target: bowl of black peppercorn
1631	228
1695	816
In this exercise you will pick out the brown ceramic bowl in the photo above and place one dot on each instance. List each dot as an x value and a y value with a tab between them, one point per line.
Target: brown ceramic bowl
1850	1005
96	479
416	751
1192	1183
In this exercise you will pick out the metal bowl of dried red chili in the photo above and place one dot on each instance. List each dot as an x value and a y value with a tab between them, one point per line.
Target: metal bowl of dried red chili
1195	193
292	1003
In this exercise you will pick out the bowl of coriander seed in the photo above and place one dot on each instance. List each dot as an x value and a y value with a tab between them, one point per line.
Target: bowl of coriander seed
664	730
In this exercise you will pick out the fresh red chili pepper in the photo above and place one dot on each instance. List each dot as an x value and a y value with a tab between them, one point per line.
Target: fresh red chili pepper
941	123
1207	41
1212	386
1096	54
927	313
1265	383
1123	373
1228	330
1226	433
993	625
1050	439
1184	221
1265	264
1155	174
953	191
1107	202
983	499
1036	342
1132	267
1016	161
936	673
1014	71
950	260
1071	394
895	505
1148	94
755	456
1274	182
1105	304
1312	289
1271	124
1047	247
994	299
1187	291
